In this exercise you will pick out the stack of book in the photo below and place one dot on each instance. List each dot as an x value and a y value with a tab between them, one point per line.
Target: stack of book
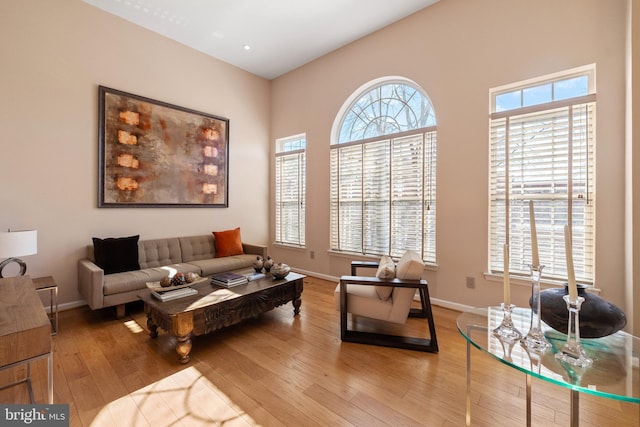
173	294
228	280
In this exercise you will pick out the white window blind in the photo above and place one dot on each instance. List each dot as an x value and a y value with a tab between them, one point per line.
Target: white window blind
383	172
383	195
290	191
544	153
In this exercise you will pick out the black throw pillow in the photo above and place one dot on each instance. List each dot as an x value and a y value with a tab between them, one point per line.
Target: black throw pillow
116	254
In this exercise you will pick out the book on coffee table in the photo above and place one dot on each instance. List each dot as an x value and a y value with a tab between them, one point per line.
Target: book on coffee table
228	279
255	276
174	294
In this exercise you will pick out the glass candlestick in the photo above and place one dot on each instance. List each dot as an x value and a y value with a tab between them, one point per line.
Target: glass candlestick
572	352
507	348
535	340
535	358
506	331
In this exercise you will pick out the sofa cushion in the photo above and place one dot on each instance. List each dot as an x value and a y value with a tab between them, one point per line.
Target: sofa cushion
219	265
116	254
135	280
197	247
228	242
159	252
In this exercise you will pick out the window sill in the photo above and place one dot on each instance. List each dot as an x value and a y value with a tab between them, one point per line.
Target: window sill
286	246
525	281
360	257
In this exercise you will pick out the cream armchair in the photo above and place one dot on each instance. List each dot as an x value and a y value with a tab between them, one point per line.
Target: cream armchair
389	300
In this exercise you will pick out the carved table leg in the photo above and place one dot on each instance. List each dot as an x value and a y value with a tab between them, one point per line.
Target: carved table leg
296	305
182	328
153	328
297	301
183	348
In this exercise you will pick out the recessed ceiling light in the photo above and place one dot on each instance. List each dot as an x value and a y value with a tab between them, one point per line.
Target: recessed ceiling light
246	47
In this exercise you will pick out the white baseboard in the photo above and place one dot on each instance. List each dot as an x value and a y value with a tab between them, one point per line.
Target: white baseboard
450	305
434	301
66	305
318	275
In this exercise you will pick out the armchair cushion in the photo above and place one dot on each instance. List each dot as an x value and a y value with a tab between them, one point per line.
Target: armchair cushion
410	266
386	270
364	301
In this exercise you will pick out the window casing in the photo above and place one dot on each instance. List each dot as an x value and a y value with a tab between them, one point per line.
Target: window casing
290	177
383	172
542	142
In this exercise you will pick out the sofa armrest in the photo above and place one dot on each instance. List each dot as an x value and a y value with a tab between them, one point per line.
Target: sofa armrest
91	283
249	248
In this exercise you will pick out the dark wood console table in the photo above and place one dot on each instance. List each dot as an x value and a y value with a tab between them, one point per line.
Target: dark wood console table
214	308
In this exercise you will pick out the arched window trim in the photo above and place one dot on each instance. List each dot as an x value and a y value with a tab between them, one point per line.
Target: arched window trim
368	87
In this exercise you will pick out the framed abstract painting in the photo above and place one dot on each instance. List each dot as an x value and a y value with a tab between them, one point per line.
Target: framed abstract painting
155	154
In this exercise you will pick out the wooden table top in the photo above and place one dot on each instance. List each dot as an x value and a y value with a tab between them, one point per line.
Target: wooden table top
25	331
209	294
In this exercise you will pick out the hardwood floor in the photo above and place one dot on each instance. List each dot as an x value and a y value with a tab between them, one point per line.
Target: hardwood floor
281	370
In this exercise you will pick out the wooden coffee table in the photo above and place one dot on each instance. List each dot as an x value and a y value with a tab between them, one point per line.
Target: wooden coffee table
215	307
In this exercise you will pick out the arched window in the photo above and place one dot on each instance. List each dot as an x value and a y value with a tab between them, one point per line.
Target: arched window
383	172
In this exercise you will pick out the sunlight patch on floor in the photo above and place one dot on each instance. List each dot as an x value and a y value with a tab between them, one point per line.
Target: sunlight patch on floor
184	398
133	326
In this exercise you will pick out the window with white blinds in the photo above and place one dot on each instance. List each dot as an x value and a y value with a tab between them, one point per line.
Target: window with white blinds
290	177
542	150
383	187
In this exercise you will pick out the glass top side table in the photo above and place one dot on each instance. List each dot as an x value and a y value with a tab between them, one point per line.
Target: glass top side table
614	374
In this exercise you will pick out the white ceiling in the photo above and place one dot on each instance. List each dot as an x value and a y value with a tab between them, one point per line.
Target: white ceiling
282	34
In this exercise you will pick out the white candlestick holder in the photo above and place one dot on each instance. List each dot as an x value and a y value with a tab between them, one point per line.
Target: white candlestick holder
535	340
506	331
572	352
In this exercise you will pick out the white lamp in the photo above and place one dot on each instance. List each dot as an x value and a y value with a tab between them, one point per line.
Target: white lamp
15	244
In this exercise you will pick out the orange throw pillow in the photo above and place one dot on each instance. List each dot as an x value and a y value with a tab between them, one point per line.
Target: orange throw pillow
228	243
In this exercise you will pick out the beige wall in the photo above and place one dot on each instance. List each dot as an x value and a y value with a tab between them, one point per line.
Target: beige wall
457	50
54	56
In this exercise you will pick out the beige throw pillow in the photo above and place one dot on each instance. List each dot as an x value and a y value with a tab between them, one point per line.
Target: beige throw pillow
386	268
386	271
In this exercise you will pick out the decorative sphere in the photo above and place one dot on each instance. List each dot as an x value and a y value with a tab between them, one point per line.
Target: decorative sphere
598	317
191	277
280	270
178	279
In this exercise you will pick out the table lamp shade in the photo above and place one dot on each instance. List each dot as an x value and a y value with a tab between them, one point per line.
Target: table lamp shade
18	243
14	244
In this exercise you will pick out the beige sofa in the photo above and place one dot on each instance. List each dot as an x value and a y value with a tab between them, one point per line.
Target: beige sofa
157	258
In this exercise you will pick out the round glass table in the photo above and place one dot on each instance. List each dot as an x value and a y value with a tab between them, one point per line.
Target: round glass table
614	373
